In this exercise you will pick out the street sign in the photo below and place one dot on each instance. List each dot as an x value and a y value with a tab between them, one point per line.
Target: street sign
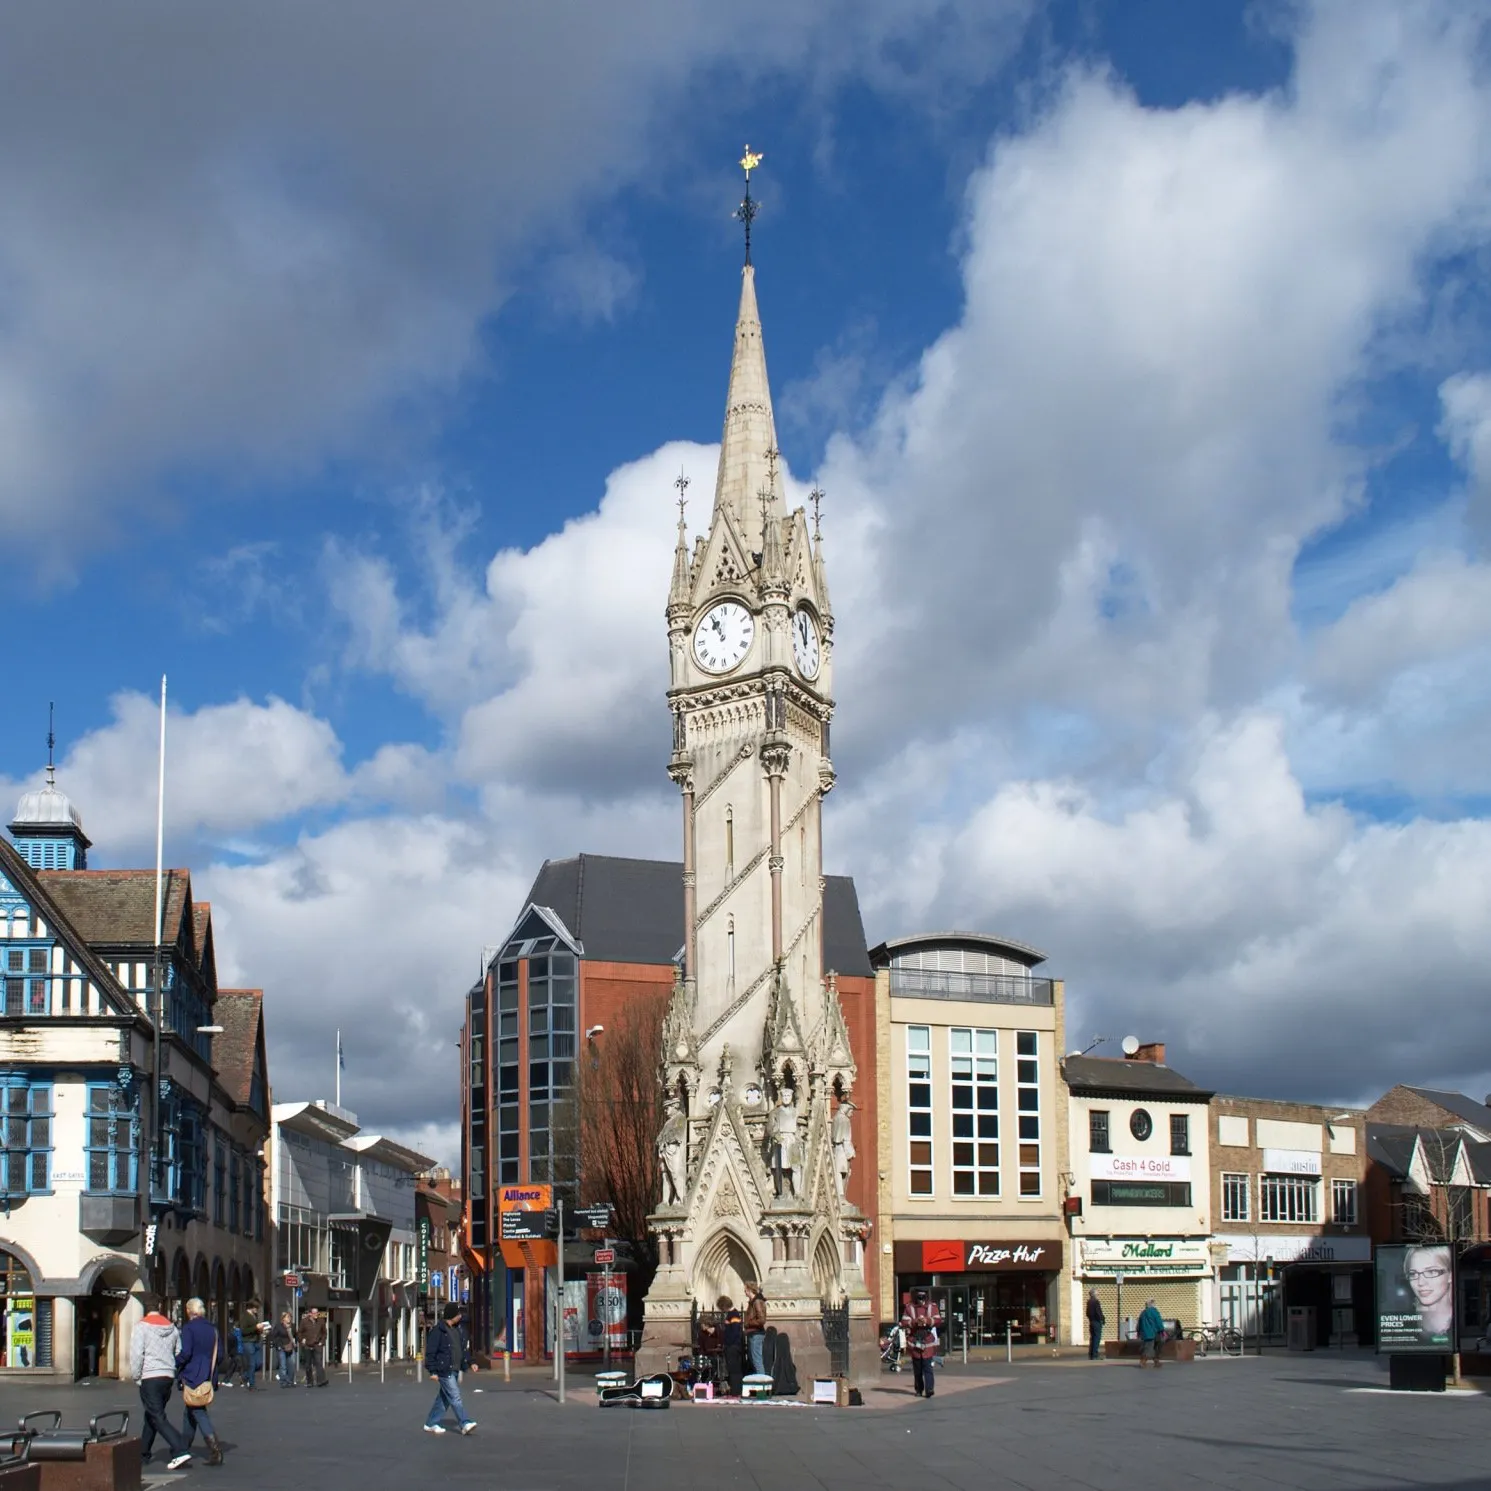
597	1216
605	1255
527	1226
292	1281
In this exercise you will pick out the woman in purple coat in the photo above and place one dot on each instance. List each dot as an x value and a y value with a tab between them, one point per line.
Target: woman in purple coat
196	1363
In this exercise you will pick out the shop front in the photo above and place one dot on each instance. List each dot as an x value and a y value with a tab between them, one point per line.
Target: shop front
1126	1272
1266	1275
985	1287
25	1320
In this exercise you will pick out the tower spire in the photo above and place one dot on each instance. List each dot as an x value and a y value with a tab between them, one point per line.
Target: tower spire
678	594
51	744
747	210
750	429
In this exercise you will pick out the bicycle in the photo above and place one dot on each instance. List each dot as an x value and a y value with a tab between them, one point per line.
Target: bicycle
1225	1338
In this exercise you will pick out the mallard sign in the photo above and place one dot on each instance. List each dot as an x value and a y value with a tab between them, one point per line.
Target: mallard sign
1164	1255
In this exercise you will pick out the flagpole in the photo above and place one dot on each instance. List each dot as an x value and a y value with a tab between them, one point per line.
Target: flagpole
157	999
339	1069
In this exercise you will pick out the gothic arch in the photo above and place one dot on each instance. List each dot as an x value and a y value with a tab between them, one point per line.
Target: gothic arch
827	1273
723	1266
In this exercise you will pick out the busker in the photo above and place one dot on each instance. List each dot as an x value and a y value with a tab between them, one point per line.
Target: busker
920	1322
1095	1324
755	1327
1151	1334
734	1340
447	1354
196	1367
152	1363
282	1342
312	1338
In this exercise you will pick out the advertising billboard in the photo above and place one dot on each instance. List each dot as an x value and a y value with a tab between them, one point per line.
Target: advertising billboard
1415	1298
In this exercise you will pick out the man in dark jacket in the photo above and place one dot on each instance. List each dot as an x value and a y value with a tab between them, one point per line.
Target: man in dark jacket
312	1338
447	1355
733	1336
920	1322
1094	1325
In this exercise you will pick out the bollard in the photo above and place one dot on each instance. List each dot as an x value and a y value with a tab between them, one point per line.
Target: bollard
1009	1343
965	1343
507	1366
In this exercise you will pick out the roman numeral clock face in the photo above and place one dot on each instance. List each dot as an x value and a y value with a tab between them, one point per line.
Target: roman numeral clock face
723	636
805	648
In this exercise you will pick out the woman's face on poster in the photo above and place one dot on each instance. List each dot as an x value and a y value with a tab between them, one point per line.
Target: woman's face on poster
1427	1271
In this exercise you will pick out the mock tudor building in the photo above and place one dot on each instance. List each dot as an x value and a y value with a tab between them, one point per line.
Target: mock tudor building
84	1230
1288	1207
1139	1206
972	1134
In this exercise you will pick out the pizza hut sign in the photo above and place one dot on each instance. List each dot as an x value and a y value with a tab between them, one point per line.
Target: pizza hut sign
1007	1255
960	1255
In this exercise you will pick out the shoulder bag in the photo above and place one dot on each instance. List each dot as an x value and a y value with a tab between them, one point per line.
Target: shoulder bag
202	1394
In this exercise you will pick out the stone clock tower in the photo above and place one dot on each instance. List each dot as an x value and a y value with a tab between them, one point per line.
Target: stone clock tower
756	1058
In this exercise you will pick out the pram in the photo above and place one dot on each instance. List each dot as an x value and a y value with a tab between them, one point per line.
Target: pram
892	1348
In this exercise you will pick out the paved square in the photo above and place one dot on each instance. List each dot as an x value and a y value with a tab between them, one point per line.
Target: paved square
1310	1422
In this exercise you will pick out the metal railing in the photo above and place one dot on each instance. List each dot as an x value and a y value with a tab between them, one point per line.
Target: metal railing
988	988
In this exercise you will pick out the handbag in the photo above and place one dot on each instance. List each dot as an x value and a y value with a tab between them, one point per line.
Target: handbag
202	1394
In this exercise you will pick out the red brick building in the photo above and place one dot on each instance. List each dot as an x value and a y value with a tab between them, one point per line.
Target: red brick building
596	946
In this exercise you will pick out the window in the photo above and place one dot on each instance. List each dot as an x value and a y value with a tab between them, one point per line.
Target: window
1097	1131
1235	1198
1343	1203
27	1167
1141	1193
1288	1198
219	1182
235	1206
25	992
553	1139
919	1108
1028	1101
975	1073
1461	1213
1180	1133
113	1138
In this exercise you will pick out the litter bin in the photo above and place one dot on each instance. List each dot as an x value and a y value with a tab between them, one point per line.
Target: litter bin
1300	1331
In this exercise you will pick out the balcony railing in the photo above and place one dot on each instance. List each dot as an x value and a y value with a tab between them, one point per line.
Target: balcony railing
986	988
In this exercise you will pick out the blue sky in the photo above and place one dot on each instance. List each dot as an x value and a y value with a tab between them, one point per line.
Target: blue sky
1141	350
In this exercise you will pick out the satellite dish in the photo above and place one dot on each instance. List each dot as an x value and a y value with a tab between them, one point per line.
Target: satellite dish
1072	1053
1130	1044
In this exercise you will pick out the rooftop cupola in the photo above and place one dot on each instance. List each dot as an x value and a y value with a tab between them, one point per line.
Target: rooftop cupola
47	828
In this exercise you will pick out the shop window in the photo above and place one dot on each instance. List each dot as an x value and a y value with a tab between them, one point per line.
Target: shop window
25	1321
1288	1198
1180	1133
919	1108
1343	1203
27	1156
1028	1101
1098	1141
1234	1198
975	1115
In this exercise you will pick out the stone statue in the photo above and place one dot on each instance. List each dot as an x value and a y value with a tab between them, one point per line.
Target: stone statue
843	1142
786	1146
672	1152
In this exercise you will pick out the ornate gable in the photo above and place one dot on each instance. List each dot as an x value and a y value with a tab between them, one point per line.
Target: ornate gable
725	566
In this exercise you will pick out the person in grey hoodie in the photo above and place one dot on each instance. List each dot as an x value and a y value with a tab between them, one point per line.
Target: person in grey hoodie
152	1363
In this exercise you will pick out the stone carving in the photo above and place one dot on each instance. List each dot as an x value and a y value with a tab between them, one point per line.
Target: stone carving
672	1151
786	1146
727	1200
843	1143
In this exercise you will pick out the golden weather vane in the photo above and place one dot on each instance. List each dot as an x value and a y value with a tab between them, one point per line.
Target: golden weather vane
746	212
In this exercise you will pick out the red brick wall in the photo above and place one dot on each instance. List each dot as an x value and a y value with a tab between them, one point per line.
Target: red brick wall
1402	1106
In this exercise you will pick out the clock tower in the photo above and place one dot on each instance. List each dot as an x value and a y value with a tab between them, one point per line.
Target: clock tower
757	1144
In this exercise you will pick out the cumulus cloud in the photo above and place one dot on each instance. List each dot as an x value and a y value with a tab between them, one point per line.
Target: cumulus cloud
243	241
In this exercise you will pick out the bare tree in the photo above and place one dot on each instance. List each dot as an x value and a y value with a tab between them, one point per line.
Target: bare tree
620	1096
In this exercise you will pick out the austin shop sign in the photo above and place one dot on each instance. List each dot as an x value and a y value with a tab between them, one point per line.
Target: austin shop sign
994	1255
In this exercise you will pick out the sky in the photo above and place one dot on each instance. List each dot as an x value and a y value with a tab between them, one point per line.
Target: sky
1140	349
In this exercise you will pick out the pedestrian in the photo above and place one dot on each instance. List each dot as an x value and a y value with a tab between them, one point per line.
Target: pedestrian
447	1355
312	1338
1095	1325
755	1328
282	1341
152	1363
196	1368
1151	1334
732	1337
920	1321
251	1347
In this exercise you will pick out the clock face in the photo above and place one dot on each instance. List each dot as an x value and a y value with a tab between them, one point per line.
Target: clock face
1141	1125
723	636
805	646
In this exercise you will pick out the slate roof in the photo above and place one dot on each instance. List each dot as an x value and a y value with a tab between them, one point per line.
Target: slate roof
1391	1146
631	910
240	1012
1477	1115
116	908
1138	1078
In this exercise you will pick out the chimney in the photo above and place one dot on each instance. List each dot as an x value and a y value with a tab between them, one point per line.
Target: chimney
1151	1051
